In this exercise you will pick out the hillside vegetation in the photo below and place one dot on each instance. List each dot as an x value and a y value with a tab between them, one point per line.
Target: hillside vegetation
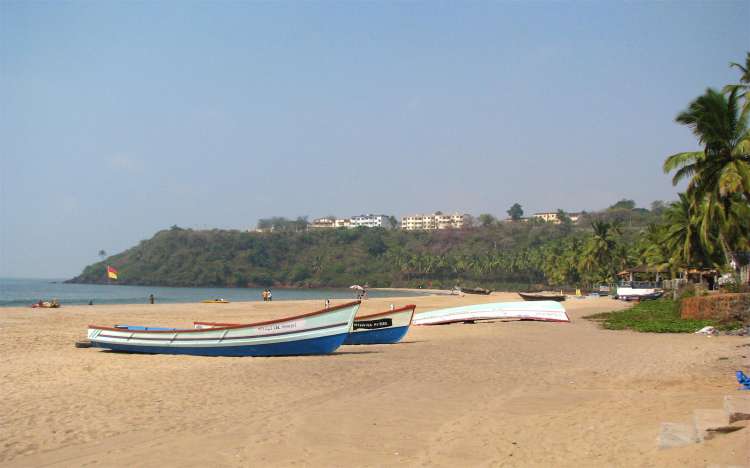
504	253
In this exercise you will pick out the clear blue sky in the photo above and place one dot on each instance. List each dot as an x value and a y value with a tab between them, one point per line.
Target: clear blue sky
120	119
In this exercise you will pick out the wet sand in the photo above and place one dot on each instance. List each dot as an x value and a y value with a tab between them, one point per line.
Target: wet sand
505	393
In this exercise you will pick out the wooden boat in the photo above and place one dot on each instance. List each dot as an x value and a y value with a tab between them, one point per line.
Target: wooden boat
549	311
381	328
476	291
215	301
318	332
542	297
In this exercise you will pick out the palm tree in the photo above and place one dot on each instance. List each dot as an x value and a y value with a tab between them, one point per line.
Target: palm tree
599	254
744	85
681	237
720	174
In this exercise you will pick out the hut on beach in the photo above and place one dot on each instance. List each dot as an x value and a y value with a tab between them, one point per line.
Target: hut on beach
661	276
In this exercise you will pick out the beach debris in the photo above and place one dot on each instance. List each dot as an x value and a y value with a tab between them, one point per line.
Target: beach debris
677	435
741	331
743	379
709	330
709	422
737	407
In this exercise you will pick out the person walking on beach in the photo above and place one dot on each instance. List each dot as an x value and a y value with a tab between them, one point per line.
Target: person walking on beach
270	297
264	295
151	298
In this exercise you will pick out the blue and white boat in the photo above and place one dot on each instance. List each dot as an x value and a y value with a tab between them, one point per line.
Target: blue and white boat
318	332
548	311
381	328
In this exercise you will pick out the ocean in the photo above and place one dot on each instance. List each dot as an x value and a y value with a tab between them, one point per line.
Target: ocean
16	292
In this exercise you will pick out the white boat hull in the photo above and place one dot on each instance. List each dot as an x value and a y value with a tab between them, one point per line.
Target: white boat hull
549	311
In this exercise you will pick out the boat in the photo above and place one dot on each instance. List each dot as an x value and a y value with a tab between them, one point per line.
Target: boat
542	297
216	301
318	332
476	291
548	311
637	294
381	328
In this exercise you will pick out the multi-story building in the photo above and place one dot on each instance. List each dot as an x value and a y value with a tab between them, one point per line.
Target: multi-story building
323	223
342	223
433	221
353	222
371	221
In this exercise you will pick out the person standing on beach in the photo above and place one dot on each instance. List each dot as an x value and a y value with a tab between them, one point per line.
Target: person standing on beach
151	299
270	297
264	295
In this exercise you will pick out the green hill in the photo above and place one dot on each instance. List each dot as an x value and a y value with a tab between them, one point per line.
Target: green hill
502	254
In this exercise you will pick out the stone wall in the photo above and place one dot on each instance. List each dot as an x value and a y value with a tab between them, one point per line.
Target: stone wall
723	307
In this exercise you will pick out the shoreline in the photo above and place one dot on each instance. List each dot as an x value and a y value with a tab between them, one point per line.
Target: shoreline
492	393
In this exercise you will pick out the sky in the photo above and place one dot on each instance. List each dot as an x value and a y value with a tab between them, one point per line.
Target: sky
119	119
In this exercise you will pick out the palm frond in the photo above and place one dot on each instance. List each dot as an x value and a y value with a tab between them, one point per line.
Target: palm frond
681	159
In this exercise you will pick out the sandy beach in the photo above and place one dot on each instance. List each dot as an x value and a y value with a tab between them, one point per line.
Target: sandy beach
505	393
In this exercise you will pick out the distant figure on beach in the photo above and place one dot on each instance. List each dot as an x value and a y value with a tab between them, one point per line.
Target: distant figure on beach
91	302
264	294
328	303
151	298
270	297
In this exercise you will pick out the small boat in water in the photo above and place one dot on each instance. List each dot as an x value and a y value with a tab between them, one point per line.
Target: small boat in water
318	332
381	328
476	291
548	311
542	297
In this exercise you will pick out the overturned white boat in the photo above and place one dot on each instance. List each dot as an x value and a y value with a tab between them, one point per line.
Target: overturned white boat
548	311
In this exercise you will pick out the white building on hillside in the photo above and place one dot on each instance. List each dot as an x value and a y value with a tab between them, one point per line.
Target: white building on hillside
323	223
433	221
343	223
371	221
353	222
552	217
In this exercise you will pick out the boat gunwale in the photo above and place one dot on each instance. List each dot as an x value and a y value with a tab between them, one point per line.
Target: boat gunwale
359	317
388	312
235	326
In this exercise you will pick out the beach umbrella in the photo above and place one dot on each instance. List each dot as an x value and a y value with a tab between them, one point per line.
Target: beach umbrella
356	286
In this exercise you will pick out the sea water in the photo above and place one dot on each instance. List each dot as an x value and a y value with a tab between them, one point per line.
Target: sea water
23	292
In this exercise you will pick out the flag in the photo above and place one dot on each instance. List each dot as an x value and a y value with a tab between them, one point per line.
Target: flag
111	272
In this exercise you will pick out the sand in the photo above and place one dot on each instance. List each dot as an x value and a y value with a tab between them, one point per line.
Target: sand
506	393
